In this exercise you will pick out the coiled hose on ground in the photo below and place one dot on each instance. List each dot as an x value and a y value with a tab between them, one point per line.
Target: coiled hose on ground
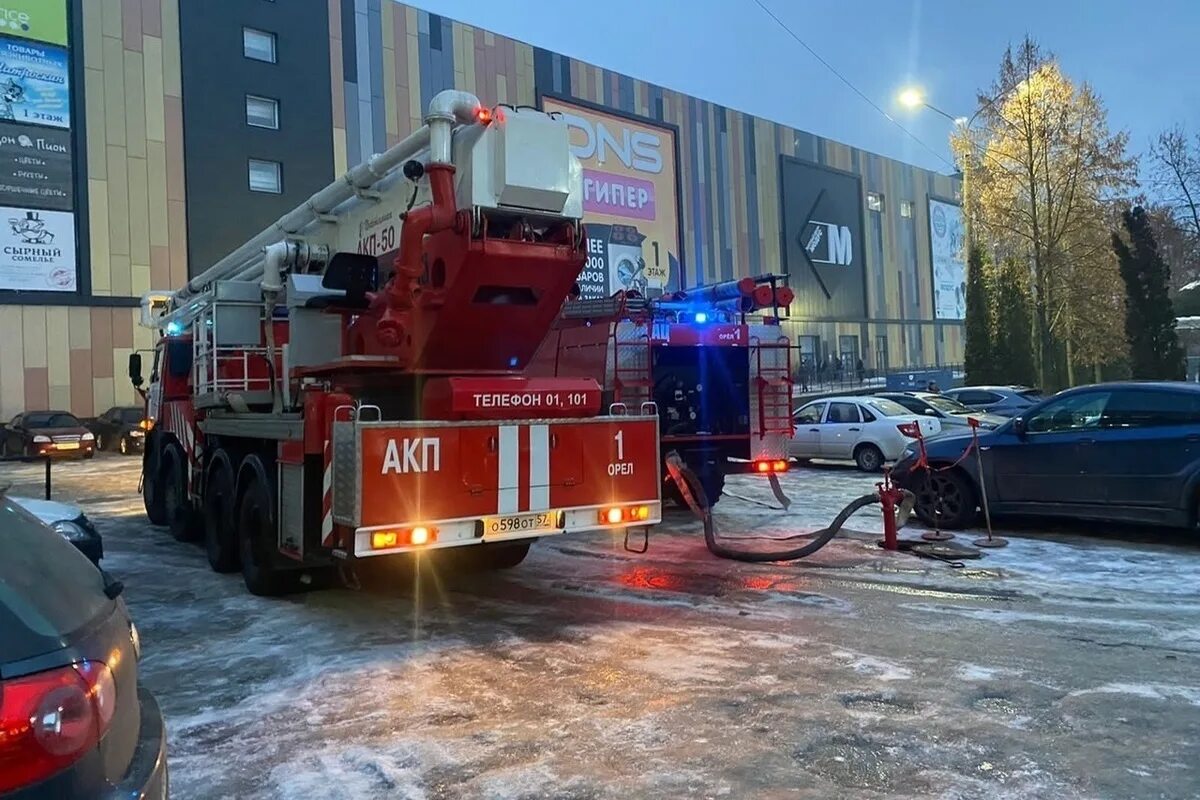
693	492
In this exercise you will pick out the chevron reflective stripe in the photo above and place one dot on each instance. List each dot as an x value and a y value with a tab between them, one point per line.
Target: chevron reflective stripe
327	497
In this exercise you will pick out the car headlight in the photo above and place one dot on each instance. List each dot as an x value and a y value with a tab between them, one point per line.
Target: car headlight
39	439
137	433
88	437
70	531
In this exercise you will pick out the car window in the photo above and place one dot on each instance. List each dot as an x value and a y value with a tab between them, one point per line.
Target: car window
946	404
976	397
911	403
889	408
810	414
56	419
867	415
1073	413
843	412
1144	408
132	416
48	589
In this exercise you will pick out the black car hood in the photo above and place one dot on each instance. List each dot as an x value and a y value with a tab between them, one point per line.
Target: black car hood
957	439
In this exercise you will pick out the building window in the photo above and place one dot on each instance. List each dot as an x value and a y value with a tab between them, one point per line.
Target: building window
875	201
258	45
262	112
905	208
266	176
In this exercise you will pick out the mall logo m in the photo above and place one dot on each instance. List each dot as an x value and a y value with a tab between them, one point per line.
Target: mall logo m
829	243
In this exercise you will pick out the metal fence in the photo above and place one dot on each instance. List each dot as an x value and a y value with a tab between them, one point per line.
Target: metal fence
808	378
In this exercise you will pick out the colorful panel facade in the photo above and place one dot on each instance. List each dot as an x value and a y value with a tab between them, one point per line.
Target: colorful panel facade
389	59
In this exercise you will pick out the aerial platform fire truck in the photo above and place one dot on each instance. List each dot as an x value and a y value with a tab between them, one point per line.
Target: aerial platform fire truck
713	360
349	383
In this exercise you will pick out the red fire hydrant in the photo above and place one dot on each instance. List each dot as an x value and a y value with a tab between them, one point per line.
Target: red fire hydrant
889	498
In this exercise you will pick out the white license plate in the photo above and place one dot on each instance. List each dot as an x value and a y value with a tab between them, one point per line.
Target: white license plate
520	525
67	445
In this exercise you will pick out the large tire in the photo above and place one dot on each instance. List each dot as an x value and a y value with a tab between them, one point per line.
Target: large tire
868	458
946	500
152	491
220	542
257	542
181	519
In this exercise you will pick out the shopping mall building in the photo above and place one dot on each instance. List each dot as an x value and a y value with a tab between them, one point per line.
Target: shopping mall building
143	139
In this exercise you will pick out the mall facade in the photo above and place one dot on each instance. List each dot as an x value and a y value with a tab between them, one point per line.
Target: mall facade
141	140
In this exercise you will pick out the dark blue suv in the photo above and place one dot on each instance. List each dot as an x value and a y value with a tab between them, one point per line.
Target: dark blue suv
1127	452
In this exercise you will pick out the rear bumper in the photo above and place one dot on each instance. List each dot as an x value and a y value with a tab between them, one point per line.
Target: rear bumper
147	776
467	532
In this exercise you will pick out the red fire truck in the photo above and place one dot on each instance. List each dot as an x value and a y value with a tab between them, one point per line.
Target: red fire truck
349	383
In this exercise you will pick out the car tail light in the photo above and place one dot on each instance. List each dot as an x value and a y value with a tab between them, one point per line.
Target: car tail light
769	466
619	515
50	720
910	429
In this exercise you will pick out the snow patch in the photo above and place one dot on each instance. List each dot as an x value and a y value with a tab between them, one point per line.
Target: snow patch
1149	691
875	667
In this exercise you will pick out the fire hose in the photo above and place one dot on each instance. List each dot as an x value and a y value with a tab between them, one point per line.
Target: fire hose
895	517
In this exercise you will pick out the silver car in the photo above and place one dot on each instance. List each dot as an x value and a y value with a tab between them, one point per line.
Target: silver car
952	413
1003	401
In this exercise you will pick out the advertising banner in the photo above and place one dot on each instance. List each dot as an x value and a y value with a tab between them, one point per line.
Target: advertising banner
35	167
823	239
37	250
946	253
629	200
44	20
34	83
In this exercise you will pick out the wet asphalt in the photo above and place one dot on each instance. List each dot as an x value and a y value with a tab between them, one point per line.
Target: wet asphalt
1066	665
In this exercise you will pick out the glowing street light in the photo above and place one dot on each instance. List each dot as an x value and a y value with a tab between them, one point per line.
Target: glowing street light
912	98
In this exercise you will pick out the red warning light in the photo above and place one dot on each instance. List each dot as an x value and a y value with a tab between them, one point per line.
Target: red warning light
484	115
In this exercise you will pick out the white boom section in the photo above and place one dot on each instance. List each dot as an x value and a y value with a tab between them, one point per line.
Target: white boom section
247	261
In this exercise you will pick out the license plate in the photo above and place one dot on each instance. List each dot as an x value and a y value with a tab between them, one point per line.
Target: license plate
67	446
520	525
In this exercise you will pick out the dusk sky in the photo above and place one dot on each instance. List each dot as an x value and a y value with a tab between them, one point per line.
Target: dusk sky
1142	59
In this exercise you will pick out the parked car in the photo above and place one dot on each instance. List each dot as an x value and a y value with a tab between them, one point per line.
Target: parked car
68	521
121	428
73	720
1127	452
1003	401
47	433
951	413
869	430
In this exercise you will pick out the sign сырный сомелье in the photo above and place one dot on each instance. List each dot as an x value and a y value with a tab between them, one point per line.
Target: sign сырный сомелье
629	200
37	250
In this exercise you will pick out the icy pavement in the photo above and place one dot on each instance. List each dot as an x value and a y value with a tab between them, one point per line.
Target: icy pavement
1061	667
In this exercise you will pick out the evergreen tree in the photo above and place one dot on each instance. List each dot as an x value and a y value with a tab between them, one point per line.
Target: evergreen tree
1154	349
1013	339
978	356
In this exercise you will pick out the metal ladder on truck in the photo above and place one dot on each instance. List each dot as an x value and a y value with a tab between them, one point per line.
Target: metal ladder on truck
633	353
774	380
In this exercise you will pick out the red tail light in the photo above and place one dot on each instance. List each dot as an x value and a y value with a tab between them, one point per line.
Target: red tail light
910	429
618	515
766	467
484	115
50	720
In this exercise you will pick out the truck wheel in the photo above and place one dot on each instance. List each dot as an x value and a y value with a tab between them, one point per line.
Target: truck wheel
869	458
152	492
180	517
220	543
946	500
257	544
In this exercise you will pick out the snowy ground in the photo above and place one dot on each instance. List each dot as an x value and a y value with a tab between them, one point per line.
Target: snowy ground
1060	667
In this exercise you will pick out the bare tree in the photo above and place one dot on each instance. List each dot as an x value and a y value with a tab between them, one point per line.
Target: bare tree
1175	176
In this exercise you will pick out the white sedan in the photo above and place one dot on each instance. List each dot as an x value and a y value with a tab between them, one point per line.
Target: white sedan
869	430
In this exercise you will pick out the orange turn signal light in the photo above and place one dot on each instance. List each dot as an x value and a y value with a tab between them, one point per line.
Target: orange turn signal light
405	537
624	514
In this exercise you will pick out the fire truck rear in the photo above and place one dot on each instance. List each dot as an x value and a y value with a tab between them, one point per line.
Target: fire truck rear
713	360
348	383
